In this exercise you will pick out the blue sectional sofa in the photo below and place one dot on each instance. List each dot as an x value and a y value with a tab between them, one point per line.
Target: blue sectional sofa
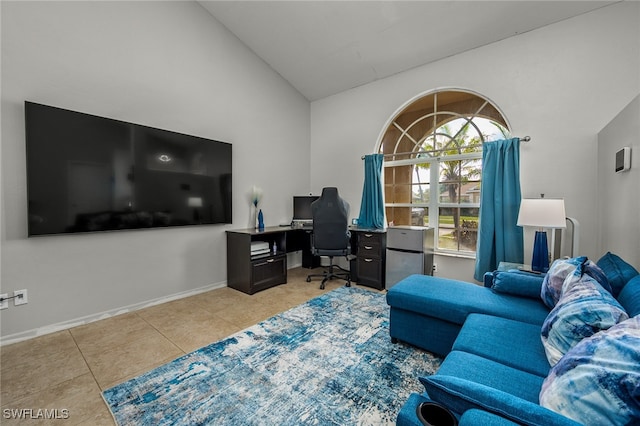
499	341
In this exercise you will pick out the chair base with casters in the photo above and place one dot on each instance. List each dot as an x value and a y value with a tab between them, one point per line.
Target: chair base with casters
331	273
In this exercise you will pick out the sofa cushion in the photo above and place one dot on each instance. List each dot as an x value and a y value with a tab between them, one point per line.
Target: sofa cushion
618	271
598	381
564	269
584	309
493	374
460	395
453	300
512	343
629	297
518	283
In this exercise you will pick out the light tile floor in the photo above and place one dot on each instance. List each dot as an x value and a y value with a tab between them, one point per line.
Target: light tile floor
68	370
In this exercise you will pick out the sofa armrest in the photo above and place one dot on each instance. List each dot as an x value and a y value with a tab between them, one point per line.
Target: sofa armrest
460	395
487	279
476	417
407	415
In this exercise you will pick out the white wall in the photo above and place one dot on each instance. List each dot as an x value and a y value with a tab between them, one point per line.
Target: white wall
560	84
619	193
162	64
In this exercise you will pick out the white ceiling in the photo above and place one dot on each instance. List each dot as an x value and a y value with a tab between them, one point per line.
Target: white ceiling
326	47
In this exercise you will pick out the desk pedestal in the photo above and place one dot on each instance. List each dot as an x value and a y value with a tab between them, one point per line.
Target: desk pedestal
251	274
370	250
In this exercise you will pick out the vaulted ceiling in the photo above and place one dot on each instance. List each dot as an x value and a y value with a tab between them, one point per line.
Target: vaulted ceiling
325	47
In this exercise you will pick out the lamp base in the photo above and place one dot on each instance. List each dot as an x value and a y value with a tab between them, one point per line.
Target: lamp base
540	261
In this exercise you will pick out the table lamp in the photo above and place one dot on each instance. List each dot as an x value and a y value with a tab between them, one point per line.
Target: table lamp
541	213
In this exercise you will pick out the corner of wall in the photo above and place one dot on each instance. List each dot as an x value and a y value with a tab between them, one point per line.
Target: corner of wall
618	194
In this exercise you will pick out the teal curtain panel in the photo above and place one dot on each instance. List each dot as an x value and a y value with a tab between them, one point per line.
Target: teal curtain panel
372	205
499	238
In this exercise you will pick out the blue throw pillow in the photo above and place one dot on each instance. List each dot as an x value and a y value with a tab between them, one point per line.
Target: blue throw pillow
584	309
598	381
617	271
517	283
629	297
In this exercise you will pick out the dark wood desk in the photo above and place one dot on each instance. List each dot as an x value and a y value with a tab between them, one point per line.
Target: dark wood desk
251	274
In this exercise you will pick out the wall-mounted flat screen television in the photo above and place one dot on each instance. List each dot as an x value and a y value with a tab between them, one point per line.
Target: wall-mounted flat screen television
87	173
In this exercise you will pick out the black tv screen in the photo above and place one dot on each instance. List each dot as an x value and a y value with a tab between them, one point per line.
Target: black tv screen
87	173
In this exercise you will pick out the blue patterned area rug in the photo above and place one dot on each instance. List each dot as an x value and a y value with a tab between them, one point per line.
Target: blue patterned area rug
329	361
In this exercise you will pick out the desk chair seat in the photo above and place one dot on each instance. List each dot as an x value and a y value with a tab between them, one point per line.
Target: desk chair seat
330	233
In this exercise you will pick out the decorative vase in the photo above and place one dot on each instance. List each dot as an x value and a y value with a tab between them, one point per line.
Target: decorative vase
260	220
254	216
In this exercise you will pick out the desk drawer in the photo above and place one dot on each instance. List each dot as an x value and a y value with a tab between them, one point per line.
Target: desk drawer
370	244
369	249
372	237
267	272
370	272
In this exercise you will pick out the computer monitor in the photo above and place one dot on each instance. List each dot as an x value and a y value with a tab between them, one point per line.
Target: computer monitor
302	207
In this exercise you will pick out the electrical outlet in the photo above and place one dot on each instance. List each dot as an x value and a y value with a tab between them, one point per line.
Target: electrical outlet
5	302
435	268
20	297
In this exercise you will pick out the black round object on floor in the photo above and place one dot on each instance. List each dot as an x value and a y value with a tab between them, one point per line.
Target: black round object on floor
434	414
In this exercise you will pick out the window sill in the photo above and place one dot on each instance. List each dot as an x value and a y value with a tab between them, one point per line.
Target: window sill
455	254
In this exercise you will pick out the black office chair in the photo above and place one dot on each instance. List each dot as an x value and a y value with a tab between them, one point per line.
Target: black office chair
330	235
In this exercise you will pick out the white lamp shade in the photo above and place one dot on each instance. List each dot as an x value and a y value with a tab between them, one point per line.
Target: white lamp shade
542	213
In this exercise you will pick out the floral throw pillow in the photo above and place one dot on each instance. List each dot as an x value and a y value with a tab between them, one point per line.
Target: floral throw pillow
561	269
598	381
584	309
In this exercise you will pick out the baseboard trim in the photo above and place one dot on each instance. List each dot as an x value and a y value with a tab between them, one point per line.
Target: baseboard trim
48	329
293	262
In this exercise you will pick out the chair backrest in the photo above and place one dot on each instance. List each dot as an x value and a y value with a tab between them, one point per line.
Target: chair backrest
330	221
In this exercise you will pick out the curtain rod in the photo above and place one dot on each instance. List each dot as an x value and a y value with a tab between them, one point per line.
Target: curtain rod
522	139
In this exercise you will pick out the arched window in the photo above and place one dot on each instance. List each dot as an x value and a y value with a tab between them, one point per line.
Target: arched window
433	162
